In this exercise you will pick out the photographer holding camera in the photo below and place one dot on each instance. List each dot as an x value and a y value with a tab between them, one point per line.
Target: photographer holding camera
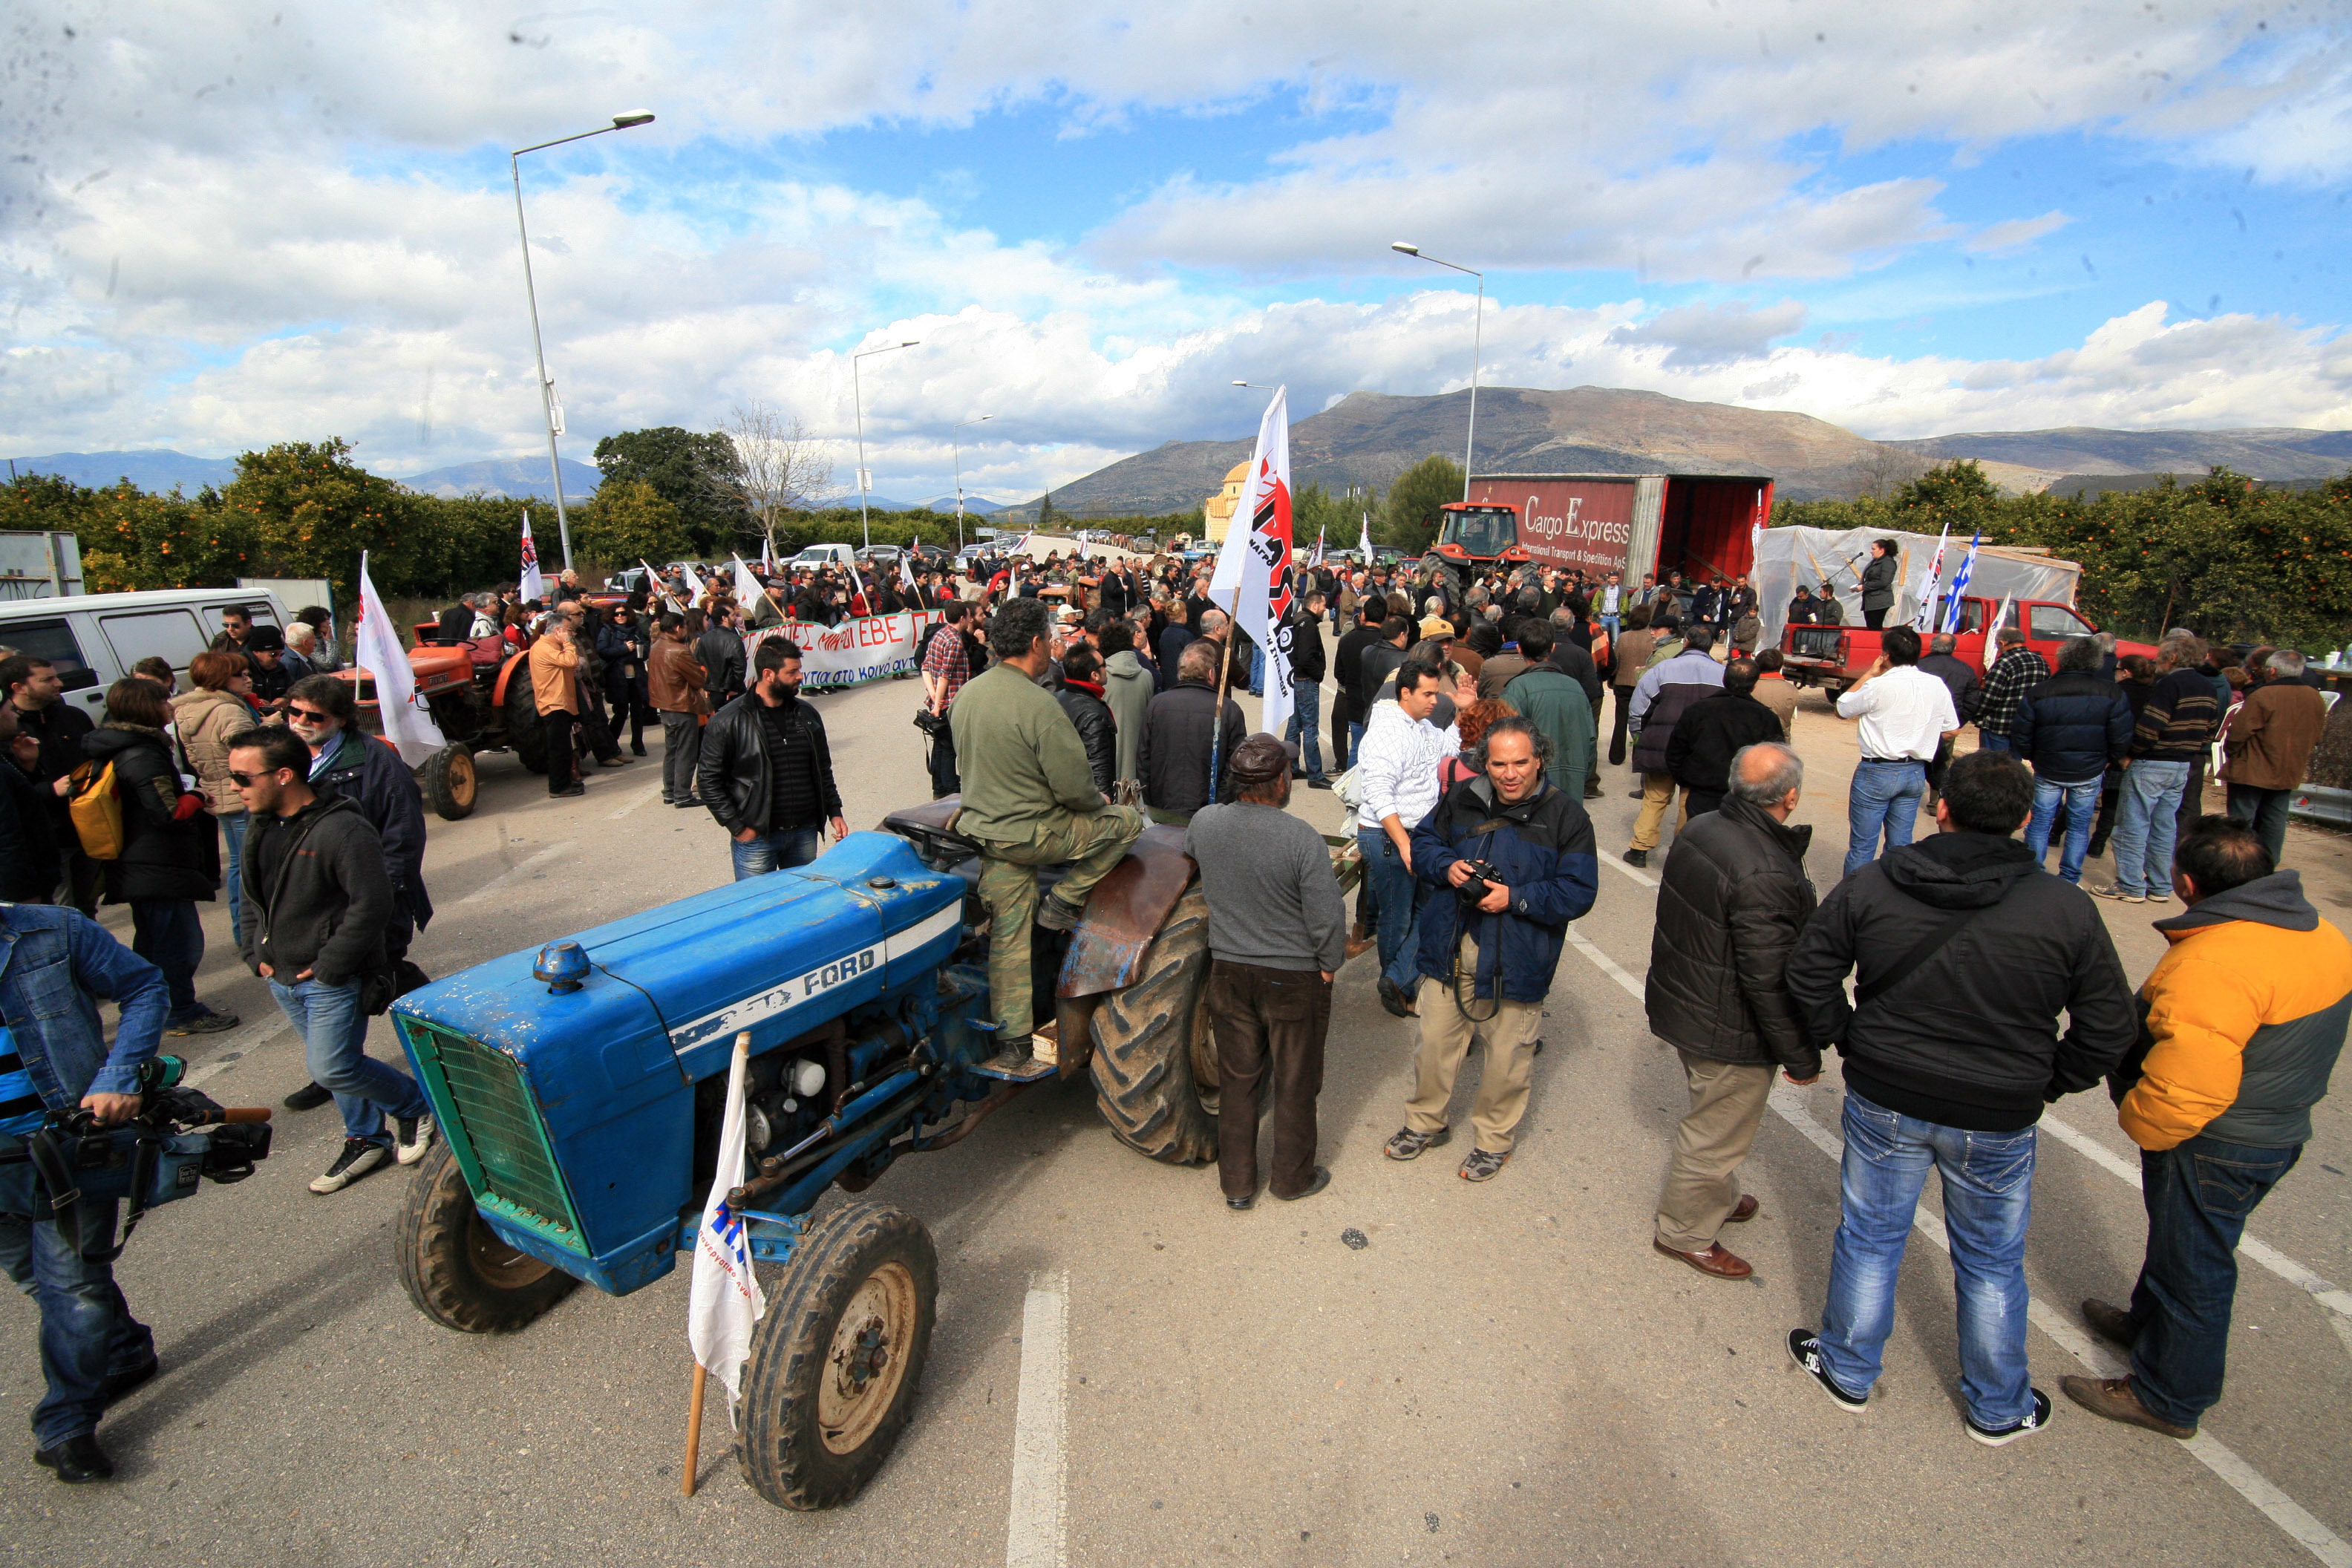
1516	856
54	965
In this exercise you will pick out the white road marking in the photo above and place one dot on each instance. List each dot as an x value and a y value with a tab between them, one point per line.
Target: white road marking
517	872
1617	863
2335	1298
2281	1509
635	801
1035	1534
254	1039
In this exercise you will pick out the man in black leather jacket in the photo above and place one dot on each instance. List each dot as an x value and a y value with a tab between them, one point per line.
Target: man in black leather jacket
1081	697
767	772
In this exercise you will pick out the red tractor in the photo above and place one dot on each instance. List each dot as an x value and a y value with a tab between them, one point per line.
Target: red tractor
479	694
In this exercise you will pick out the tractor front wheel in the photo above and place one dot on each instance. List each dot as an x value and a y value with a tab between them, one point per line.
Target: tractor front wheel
450	782
525	733
837	1358
458	1271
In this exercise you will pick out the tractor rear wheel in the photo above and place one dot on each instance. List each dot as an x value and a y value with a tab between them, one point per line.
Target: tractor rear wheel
458	1271
1145	1066
525	733
450	782
837	1358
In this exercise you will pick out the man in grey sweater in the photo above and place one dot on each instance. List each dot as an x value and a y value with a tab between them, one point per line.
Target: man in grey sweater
1278	932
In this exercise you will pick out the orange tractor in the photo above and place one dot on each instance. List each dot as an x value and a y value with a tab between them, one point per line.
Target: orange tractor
479	694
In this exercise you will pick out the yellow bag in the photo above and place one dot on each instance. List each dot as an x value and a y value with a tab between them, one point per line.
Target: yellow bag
97	811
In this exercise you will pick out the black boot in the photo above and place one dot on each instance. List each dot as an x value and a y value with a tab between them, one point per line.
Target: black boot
77	1459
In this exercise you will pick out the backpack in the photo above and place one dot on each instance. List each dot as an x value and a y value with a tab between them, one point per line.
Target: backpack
96	809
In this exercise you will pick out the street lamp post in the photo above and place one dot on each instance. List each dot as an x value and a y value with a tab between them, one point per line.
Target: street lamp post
530	291
958	447
1478	332
857	401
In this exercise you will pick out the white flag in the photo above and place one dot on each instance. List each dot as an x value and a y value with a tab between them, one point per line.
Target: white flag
724	1301
407	723
1318	548
747	587
907	569
1256	560
654	584
693	583
1364	541
1925	621
533	586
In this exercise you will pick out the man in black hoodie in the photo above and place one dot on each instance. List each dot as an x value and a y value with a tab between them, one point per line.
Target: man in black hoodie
317	899
1964	953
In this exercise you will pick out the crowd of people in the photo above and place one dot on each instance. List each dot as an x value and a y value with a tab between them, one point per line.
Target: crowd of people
1073	703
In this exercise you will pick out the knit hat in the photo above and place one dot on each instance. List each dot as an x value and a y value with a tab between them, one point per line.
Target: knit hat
1259	761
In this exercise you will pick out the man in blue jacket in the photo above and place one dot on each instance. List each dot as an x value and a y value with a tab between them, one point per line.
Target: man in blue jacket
54	965
1536	843
2070	728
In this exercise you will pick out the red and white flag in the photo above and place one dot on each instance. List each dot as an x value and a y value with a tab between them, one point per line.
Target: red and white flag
724	1301
533	586
1256	561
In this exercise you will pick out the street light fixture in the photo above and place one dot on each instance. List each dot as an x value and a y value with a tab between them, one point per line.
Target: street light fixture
958	471
857	401
547	404
1478	332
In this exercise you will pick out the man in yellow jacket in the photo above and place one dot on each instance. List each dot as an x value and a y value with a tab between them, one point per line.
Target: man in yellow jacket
2242	1022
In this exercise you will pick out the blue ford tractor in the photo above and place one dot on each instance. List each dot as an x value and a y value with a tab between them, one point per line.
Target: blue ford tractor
580	1089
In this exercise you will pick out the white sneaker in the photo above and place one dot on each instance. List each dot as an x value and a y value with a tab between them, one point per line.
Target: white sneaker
358	1158
411	1136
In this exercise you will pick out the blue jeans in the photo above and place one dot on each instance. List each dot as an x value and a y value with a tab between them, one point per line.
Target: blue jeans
2197	1196
1988	1179
775	851
334	1044
1355	739
2146	823
2264	811
88	1333
233	828
1306	727
1257	670
1992	743
2081	803
1611	622
166	933
1397	893
1885	794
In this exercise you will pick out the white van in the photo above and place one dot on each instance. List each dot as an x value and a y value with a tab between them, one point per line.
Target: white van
840	557
93	640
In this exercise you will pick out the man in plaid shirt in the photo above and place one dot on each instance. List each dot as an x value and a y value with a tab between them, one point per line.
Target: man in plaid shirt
946	668
2017	671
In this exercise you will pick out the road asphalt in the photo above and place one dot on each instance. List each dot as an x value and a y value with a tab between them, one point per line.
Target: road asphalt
1498	1373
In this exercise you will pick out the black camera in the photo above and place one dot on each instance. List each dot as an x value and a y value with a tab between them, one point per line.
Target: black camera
1481	882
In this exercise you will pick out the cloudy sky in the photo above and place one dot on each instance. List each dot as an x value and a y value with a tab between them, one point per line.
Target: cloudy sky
227	224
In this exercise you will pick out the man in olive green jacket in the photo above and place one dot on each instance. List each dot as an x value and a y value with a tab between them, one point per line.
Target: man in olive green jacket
1030	800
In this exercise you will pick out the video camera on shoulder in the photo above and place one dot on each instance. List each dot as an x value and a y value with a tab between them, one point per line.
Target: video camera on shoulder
178	1138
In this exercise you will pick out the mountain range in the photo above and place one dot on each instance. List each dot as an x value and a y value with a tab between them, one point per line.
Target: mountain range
1369	438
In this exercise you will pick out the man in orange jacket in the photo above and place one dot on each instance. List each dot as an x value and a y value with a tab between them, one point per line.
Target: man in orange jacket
2242	1023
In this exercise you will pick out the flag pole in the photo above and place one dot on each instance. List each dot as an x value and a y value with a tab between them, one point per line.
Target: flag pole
694	1429
1217	709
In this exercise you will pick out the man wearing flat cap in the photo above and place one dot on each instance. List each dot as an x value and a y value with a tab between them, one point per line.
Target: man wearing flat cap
1278	932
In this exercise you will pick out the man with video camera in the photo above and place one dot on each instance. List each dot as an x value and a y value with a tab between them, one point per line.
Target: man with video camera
54	966
1513	861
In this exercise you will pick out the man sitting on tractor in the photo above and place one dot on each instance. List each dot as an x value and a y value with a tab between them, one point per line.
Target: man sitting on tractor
1030	800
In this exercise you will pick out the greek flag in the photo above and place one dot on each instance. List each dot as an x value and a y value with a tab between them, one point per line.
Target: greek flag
1957	608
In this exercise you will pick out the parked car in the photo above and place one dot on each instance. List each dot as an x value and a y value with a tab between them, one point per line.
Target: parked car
840	557
93	640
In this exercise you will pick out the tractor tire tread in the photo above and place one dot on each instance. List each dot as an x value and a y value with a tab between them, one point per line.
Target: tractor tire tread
430	1251
1144	1066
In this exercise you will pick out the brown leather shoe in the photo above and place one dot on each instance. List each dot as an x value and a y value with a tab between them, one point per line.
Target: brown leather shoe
2110	1322
1358	946
2114	1399
1743	1211
1715	1260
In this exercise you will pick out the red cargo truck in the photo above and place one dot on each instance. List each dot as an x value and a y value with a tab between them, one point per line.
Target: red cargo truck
1697	524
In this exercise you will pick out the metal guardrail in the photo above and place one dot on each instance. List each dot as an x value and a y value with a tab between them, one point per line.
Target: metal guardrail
2318	802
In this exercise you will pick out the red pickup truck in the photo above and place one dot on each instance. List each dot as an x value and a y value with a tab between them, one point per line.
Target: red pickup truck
1834	657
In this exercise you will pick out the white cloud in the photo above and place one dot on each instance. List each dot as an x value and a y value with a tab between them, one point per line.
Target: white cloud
1701	335
2015	234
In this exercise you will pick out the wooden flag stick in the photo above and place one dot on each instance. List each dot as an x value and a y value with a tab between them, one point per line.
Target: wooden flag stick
694	1429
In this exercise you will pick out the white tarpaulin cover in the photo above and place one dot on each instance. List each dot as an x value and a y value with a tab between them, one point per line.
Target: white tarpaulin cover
1788	556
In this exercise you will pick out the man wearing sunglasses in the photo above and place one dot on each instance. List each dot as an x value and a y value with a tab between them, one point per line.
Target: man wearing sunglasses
345	761
316	904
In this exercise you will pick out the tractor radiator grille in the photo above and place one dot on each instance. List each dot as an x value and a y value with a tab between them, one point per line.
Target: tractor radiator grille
494	1129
